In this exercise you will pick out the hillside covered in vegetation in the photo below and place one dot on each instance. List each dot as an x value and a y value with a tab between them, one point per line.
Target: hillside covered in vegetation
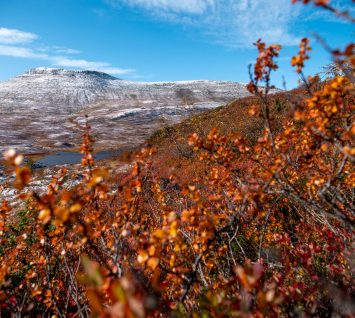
244	211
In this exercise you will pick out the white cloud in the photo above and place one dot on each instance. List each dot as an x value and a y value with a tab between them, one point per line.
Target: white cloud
13	36
186	6
14	51
314	14
55	55
238	23
241	23
116	71
65	50
229	22
89	65
66	62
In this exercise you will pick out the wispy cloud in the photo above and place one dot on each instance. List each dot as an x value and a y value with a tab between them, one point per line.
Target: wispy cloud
65	50
325	15
89	65
228	22
22	52
12	45
184	6
66	62
241	23
13	36
116	70
238	23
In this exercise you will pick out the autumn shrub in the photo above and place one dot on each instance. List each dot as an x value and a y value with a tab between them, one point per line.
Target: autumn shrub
267	230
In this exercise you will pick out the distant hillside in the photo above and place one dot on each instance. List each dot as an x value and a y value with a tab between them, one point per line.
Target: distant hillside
173	155
40	108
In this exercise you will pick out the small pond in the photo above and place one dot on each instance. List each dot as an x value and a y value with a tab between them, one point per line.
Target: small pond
62	158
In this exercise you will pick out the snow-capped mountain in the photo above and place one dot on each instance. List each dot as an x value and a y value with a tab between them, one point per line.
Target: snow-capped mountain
39	109
50	87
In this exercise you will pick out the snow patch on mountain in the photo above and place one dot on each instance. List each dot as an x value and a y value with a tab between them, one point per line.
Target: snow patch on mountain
40	108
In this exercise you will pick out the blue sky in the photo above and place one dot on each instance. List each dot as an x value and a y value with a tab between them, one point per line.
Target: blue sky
162	40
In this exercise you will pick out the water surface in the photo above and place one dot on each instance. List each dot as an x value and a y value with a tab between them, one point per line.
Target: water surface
62	158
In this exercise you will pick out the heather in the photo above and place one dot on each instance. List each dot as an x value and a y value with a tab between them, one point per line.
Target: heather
246	211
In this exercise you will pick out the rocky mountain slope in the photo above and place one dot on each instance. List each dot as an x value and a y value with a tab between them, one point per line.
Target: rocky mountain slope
39	109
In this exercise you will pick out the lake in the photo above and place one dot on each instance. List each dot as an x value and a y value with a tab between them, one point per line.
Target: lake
62	158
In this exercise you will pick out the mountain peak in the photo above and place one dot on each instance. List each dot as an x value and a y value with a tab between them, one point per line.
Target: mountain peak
68	72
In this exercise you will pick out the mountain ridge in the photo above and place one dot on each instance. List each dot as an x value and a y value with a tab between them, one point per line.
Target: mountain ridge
63	71
41	108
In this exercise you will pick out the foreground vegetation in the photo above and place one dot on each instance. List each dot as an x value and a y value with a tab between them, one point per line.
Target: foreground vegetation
252	220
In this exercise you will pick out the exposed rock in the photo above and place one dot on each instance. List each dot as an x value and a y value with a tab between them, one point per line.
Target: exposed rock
40	109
